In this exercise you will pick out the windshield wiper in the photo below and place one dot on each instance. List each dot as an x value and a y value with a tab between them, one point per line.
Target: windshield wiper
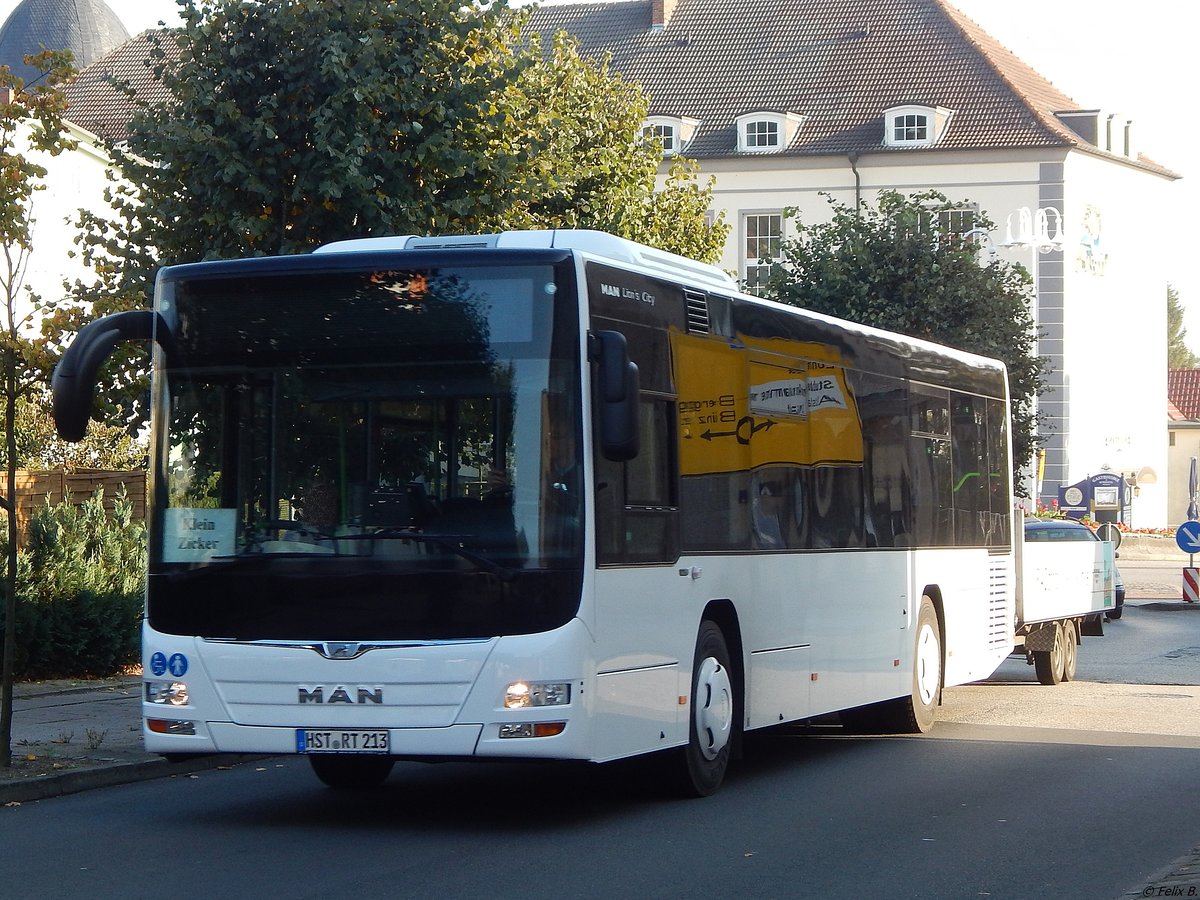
451	542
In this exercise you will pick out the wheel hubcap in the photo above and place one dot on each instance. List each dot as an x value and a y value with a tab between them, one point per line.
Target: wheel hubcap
714	708
929	664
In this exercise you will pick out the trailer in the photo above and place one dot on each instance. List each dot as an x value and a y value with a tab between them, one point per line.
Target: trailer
1065	590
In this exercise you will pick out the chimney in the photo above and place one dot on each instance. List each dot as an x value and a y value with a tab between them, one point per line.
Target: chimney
660	13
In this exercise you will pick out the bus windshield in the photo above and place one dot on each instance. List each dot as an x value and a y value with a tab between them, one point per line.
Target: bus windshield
367	455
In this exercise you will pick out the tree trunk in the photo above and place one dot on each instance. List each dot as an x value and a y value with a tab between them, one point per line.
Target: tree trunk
10	579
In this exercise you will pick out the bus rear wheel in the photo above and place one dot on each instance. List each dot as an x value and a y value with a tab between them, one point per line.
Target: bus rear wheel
915	714
351	772
700	765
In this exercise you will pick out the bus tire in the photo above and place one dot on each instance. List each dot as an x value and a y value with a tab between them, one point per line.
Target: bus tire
915	714
700	765
1048	664
351	772
1070	651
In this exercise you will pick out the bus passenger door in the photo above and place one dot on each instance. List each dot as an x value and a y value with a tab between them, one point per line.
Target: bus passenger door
644	638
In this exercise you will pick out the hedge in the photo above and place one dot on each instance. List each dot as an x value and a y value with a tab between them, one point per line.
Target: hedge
80	590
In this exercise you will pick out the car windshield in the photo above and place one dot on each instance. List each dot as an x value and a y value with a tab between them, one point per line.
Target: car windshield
1059	533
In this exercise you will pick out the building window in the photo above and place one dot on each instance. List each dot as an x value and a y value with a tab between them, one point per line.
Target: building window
956	221
911	128
915	126
664	133
762	237
762	135
673	131
764	132
944	224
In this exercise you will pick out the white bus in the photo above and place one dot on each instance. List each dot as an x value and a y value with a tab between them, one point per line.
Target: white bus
547	495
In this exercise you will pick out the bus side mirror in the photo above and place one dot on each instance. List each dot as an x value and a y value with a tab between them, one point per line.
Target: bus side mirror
74	381
617	389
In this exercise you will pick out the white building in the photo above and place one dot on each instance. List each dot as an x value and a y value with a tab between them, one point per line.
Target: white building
783	101
75	180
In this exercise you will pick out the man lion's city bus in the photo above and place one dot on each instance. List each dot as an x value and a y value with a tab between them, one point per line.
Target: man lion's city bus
547	495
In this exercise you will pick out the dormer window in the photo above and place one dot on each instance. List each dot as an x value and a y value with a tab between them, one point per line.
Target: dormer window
915	126
767	132
673	131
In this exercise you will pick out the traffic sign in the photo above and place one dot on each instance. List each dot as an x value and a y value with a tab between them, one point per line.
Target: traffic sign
1111	533
1188	537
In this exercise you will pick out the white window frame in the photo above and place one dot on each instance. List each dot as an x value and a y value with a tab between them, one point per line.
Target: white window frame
752	270
915	126
752	127
681	129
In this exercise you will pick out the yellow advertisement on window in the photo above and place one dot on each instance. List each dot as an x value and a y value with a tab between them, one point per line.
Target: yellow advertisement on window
762	403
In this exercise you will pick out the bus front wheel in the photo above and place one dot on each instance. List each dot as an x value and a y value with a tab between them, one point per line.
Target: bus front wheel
351	772
701	764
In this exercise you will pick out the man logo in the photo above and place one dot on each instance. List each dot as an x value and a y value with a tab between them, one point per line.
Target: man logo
336	650
340	694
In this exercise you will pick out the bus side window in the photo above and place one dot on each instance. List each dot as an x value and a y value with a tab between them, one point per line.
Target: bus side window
637	514
969	438
887	479
929	462
999	475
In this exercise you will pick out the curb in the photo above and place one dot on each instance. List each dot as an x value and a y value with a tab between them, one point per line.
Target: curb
62	783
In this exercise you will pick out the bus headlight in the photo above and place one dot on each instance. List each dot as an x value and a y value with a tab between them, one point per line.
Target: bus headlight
525	694
172	692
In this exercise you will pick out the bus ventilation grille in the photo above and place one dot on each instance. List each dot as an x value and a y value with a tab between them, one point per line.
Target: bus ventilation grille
697	313
998	604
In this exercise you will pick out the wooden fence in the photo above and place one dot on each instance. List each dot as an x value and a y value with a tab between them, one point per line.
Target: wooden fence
33	488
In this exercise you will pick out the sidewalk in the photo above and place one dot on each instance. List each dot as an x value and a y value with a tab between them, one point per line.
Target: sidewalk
71	736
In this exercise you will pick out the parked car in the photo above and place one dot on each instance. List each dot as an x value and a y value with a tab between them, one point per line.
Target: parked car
1070	530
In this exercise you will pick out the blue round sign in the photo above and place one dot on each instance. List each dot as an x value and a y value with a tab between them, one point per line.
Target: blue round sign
1188	537
177	664
158	663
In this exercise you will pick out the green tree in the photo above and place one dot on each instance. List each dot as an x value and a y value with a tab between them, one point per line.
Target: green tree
30	125
1179	356
298	122
292	123
589	165
39	446
897	267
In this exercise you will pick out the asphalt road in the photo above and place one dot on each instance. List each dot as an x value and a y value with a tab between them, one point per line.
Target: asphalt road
804	816
1087	789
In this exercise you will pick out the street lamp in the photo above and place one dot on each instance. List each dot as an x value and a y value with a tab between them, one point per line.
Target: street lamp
985	235
1040	229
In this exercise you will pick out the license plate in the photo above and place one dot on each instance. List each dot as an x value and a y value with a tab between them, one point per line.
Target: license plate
311	740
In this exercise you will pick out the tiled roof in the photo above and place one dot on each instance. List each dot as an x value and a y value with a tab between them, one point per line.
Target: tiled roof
841	63
88	28
95	103
1183	390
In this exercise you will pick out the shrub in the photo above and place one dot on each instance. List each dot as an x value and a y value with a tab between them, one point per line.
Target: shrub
80	587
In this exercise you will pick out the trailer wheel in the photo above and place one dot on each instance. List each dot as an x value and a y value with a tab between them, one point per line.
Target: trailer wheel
699	767
351	772
1049	663
1070	651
